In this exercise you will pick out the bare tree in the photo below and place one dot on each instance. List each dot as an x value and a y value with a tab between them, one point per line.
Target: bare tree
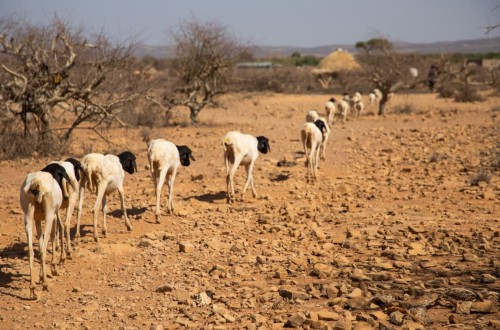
206	51
54	65
387	69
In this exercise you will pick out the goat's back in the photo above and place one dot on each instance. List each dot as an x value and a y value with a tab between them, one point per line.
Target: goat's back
162	153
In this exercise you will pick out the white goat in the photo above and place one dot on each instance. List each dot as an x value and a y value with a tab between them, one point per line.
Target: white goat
312	136
105	173
356	103
374	96
312	116
164	159
70	189
326	134
242	149
325	130
40	198
343	106
330	107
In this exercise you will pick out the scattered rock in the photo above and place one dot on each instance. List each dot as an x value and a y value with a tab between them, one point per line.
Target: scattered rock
186	247
396	318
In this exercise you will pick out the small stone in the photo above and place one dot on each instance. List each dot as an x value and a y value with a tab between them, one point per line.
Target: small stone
488	278
338	238
363	326
186	247
461	294
495	324
484	307
296	320
328	316
470	257
396	318
420	315
358	275
164	288
289	294
331	291
379	315
355	293
183	297
463	307
416	230
454	319
156	327
384	325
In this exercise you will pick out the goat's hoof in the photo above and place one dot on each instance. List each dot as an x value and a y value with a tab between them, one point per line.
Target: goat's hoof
129	227
54	271
96	239
45	286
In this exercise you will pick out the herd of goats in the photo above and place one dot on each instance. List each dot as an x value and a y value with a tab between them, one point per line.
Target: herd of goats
61	184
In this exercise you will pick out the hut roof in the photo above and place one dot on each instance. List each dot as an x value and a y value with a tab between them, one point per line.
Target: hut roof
337	61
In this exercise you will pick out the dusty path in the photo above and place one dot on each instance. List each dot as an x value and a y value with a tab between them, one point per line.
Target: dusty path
393	233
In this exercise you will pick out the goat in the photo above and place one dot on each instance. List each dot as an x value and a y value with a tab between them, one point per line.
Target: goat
40	199
242	149
311	137
106	174
164	159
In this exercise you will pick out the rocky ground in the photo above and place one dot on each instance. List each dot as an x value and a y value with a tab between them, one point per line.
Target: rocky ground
401	230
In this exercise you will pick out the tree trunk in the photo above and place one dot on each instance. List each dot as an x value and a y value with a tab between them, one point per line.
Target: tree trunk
46	127
382	104
194	115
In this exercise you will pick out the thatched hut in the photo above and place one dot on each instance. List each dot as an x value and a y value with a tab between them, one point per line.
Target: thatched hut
339	60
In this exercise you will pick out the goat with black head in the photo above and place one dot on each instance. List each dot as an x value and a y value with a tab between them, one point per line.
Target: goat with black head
104	174
164	159
70	170
242	149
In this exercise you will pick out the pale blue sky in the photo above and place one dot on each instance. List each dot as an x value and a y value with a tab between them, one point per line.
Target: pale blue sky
305	23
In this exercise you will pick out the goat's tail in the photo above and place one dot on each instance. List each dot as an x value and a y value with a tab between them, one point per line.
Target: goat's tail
226	142
88	173
38	188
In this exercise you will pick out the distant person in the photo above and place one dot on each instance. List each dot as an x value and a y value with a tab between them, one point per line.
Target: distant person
431	77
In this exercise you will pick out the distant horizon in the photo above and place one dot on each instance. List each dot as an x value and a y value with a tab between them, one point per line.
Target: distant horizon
353	45
286	23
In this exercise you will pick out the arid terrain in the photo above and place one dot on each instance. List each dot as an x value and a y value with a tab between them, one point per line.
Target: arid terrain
402	229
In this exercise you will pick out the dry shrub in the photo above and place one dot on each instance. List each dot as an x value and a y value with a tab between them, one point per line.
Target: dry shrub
468	93
446	89
404	109
15	145
480	177
437	157
277	80
147	118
